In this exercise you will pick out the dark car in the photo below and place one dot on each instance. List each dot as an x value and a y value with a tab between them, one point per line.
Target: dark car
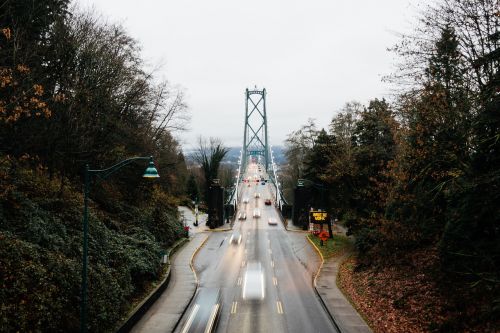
205	311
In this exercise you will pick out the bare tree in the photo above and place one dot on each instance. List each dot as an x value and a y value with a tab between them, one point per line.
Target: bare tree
209	155
473	22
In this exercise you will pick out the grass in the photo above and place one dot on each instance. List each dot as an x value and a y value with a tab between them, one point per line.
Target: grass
337	246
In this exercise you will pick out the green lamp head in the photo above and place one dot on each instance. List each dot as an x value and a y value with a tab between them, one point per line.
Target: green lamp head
151	171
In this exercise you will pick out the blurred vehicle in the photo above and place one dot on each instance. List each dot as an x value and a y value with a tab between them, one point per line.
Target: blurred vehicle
248	185
245	200
235	238
263	183
272	221
242	216
268	202
257	195
205	311
256	212
253	282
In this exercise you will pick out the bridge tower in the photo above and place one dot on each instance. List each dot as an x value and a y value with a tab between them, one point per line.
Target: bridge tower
255	139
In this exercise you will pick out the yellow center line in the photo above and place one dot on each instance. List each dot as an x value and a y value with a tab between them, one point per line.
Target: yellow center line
234	307
279	307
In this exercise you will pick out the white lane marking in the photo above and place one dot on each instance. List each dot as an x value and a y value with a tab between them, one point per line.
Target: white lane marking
280	307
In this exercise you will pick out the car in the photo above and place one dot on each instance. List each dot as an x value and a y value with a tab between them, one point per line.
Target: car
257	195
272	221
256	212
253	282
235	238
242	216
245	200
205	311
263	183
268	202
248	185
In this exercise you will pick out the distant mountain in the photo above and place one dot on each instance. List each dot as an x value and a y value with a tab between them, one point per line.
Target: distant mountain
234	154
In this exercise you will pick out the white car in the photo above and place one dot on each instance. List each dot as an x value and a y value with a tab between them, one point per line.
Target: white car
272	221
257	195
242	216
245	200
205	311
253	283
256	212
235	238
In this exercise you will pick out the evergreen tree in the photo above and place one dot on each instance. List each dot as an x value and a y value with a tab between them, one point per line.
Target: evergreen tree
192	188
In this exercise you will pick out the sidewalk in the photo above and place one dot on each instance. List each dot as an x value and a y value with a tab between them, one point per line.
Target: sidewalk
292	227
344	314
190	219
164	315
346	317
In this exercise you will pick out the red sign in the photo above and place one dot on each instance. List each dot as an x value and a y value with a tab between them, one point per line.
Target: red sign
324	235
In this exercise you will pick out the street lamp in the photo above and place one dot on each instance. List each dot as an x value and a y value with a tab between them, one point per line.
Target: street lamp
150	172
322	188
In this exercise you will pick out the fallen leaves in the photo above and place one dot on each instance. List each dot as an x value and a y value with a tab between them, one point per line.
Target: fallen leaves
404	297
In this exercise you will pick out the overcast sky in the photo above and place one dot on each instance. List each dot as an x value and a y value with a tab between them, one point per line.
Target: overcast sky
312	56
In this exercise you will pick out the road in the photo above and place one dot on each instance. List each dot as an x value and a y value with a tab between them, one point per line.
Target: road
290	303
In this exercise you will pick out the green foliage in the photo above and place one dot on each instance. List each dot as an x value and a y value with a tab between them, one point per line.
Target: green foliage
40	250
423	173
192	188
333	247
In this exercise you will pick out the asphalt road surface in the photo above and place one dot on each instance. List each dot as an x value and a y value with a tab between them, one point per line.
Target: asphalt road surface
290	303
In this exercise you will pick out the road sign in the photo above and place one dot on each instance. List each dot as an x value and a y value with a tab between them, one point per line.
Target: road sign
323	235
319	217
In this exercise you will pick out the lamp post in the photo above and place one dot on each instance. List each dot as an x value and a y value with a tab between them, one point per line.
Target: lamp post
150	172
321	188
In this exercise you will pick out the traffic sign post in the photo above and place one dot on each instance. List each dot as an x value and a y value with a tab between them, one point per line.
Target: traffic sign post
323	236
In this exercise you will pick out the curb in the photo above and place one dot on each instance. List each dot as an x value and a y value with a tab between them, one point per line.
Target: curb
219	230
315	277
197	282
136	314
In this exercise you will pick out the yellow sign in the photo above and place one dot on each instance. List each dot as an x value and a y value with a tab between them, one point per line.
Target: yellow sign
319	217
